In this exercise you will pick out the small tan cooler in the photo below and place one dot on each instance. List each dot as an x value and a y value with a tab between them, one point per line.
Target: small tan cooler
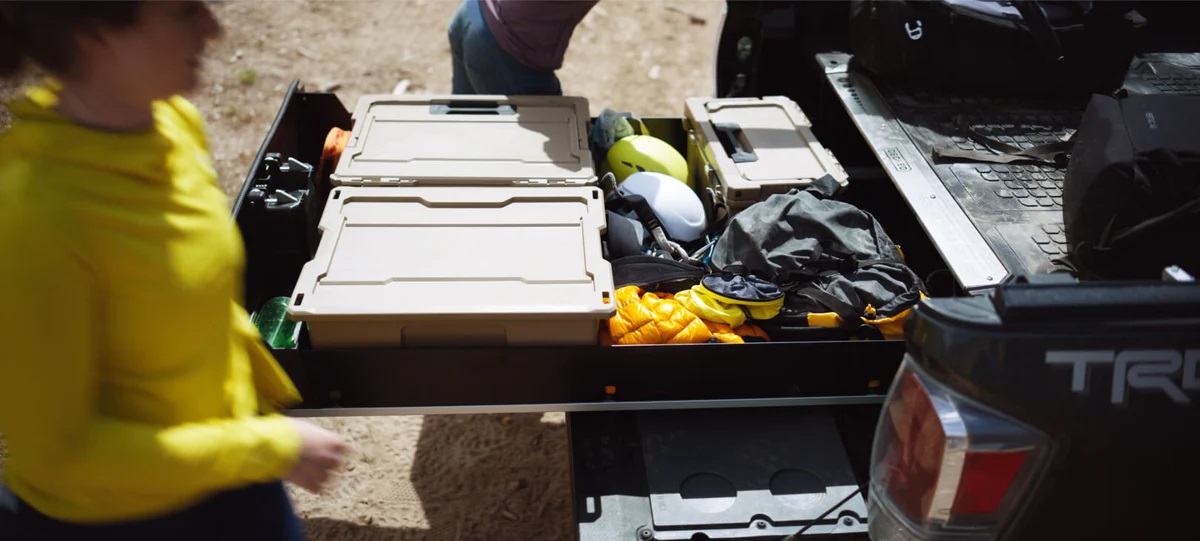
746	149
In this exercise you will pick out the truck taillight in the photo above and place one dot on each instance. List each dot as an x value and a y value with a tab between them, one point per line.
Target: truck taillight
944	466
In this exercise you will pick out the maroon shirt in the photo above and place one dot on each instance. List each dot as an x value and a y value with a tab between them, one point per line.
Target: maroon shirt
535	32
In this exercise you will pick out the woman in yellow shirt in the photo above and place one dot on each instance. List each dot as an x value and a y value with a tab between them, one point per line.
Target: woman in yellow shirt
136	398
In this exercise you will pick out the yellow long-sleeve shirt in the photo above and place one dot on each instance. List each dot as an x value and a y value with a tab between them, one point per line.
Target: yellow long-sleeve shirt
132	382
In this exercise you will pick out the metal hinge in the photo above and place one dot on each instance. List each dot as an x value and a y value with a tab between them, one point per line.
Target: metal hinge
556	182
385	181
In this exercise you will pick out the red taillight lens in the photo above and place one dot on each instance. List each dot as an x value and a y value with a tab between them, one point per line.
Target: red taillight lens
986	477
914	457
946	465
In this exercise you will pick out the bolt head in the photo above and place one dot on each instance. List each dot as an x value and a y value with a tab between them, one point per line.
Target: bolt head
745	46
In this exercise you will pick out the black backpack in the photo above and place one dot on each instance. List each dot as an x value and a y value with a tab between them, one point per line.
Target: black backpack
843	276
1018	48
1131	199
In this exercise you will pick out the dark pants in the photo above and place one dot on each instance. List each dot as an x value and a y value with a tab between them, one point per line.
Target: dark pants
482	67
255	513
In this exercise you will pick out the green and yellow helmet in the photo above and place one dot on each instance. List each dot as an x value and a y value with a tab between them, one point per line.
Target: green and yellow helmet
646	153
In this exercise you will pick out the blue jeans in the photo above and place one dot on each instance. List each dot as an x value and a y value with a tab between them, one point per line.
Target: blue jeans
481	66
255	513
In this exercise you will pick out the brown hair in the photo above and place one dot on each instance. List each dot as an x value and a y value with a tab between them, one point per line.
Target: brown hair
42	32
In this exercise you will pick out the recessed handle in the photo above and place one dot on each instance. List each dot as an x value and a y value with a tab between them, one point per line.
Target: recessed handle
472	107
733	140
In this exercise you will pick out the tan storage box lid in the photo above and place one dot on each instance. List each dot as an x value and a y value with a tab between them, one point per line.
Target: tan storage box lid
437	255
467	140
759	146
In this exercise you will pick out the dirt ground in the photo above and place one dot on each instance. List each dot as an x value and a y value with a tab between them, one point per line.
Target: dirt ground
631	55
493	477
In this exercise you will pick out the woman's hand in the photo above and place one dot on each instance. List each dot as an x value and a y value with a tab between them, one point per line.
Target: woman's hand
321	452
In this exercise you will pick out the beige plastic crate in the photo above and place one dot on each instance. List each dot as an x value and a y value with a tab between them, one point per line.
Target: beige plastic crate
754	147
467	140
463	267
460	221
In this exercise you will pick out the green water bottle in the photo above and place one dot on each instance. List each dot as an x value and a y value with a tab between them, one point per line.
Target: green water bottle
274	325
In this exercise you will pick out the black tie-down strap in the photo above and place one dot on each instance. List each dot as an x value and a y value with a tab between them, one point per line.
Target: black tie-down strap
1000	152
833	265
851	312
644	271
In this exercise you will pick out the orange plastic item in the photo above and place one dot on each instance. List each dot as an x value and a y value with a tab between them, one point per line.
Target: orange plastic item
335	143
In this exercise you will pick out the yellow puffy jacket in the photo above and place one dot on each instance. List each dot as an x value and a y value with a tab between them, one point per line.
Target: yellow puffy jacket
132	383
657	318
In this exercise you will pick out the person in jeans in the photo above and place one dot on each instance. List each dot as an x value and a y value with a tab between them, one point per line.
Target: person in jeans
137	400
512	47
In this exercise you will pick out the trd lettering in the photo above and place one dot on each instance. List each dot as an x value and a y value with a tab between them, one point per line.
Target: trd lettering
1171	372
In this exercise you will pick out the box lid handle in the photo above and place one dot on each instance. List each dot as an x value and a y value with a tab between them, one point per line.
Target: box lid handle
733	140
472	107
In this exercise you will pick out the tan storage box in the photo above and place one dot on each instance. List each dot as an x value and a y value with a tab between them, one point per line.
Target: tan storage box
750	148
464	221
467	140
466	266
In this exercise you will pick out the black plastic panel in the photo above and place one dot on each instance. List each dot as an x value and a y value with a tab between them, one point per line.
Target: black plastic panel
611	478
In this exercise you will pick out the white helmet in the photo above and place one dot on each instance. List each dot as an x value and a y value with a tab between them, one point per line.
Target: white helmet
677	207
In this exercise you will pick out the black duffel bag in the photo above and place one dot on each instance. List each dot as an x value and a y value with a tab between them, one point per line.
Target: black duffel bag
1131	199
843	276
1020	48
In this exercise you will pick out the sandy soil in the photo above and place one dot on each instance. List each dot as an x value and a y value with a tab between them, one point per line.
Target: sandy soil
447	478
631	55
